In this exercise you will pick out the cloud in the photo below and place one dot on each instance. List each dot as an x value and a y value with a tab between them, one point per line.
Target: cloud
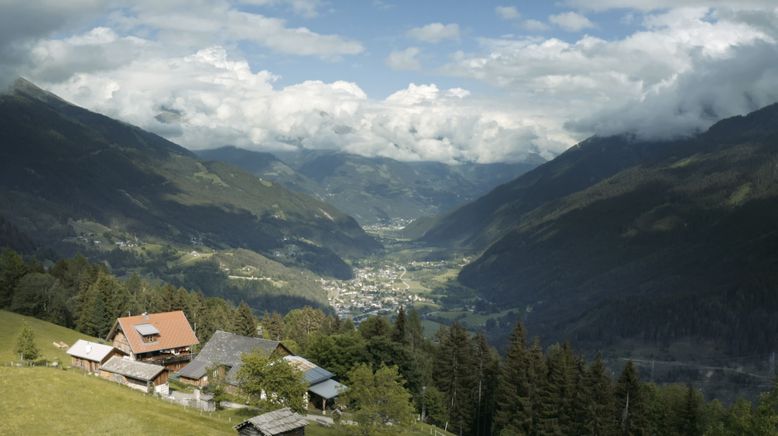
201	24
306	8
435	32
533	25
407	59
659	5
214	99
24	23
683	70
507	12
571	21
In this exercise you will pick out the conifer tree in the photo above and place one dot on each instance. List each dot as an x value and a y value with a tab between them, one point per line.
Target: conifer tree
245	324
414	329
536	374
273	324
399	329
454	376
631	410
691	414
600	410
487	373
513	412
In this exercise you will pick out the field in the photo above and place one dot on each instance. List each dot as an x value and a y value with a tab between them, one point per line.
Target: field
45	334
55	401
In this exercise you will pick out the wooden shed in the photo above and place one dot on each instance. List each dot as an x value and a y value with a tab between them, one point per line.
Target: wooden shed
137	375
90	355
282	422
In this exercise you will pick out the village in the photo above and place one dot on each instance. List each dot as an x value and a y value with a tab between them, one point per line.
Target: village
155	353
376	289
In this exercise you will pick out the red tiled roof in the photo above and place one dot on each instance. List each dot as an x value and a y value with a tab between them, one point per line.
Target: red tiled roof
174	331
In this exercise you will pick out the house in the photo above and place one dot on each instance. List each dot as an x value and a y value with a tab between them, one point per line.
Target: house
90	355
159	338
137	375
223	353
282	422
322	389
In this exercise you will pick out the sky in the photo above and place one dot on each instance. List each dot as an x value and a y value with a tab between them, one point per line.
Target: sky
449	81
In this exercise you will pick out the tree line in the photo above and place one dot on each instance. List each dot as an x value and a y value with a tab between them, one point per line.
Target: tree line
454	379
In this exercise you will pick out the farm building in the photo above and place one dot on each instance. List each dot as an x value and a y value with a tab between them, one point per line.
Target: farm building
90	355
322	389
282	422
223	353
137	375
159	338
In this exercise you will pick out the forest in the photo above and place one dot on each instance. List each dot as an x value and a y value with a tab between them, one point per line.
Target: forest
455	380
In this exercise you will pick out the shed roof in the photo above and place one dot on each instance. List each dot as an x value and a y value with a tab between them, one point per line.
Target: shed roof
173	328
275	422
328	389
132	368
195	370
90	350
312	373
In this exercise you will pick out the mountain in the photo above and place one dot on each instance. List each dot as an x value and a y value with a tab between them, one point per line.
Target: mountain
618	241
375	189
73	180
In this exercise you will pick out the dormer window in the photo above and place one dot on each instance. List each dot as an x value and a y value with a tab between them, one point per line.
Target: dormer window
148	332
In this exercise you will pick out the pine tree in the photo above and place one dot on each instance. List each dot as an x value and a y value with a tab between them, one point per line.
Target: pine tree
245	324
454	376
513	412
536	374
691	413
25	344
487	373
273	324
631	409
414	329
399	329
600	407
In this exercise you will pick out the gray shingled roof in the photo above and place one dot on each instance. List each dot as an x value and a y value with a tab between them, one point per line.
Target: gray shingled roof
195	370
226	349
132	369
275	422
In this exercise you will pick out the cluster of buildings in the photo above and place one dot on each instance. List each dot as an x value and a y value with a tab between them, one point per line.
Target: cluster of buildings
373	291
148	349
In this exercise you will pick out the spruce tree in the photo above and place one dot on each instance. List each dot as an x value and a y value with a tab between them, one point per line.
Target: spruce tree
631	410
454	376
691	413
513	412
399	330
537	380
600	407
245	324
487	373
25	344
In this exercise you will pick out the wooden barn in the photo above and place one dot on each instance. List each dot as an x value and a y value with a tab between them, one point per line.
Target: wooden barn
160	338
282	422
90	355
223	353
137	375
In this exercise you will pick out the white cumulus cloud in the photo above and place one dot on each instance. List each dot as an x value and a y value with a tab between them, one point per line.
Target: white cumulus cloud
407	59
435	32
571	21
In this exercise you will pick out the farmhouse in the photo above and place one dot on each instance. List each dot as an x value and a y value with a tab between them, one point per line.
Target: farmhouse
159	338
223	353
282	422
137	375
90	355
322	389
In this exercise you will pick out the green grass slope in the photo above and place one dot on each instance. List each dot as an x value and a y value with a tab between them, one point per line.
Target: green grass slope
51	401
46	334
